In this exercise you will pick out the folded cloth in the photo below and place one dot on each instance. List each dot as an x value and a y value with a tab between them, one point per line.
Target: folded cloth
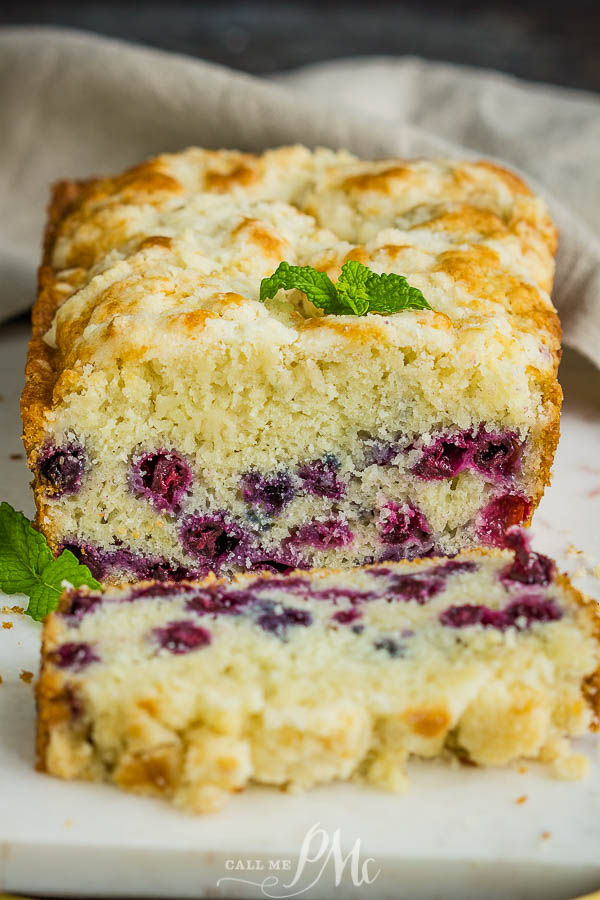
73	104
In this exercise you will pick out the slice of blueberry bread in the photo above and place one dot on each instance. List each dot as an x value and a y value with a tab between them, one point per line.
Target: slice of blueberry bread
176	425
193	690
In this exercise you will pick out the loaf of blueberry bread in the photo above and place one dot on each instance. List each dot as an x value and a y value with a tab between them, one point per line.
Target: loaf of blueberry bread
194	690
177	425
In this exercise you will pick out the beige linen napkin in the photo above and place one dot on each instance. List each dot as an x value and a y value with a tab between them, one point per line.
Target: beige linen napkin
72	104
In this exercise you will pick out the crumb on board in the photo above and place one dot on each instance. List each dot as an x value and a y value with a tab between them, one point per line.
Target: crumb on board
7	624
579	572
12	609
68	823
26	676
573	551
546	835
522	770
16	456
596	571
0	679
571	767
521	800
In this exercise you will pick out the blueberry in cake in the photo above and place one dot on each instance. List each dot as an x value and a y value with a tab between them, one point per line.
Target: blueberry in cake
176	425
192	690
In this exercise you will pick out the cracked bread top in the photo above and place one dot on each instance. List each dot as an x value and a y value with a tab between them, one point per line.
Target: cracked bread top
170	255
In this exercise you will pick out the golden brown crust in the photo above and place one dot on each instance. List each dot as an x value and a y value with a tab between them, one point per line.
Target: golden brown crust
40	371
51	701
591	608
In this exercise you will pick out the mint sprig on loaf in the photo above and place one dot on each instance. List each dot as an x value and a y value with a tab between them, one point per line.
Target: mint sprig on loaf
358	290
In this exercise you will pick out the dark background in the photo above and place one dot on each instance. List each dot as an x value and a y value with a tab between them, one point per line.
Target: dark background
543	40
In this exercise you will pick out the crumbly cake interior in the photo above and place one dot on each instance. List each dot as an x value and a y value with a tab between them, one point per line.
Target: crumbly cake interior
177	426
192	690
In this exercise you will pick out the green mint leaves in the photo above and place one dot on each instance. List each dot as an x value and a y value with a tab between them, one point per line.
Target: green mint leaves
358	290
317	286
28	567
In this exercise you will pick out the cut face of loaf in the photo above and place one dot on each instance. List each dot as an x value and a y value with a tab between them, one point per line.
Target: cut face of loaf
193	690
176	425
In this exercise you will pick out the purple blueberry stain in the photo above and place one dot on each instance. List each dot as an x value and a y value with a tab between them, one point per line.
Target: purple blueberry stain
500	514
272	564
346	616
163	477
95	559
74	655
213	539
270	493
418	588
320	478
520	614
527	567
444	458
496	455
61	469
335	594
454	567
405	530
468	614
277	619
391	646
81	603
296	584
323	535
101	562
218	599
157	569
524	612
279	560
74	701
378	452
165	589
181	637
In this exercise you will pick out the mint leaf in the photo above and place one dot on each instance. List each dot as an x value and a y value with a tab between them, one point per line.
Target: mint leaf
318	287
358	290
28	567
392	293
352	287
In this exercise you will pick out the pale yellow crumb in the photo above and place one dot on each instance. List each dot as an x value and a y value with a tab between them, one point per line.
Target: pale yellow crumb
571	767
7	624
167	719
